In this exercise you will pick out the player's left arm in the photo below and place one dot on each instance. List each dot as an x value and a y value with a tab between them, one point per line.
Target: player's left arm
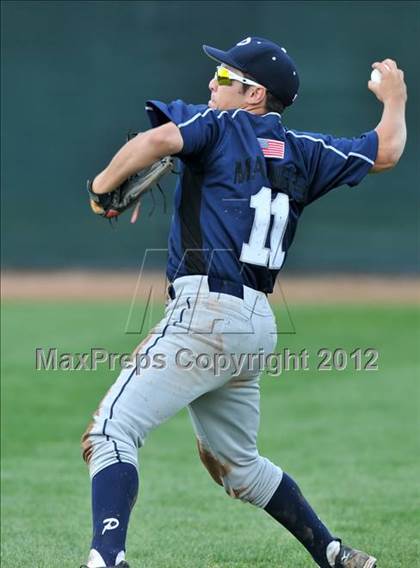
140	152
391	130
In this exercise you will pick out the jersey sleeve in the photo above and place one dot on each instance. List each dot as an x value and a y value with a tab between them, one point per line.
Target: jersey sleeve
198	124
332	162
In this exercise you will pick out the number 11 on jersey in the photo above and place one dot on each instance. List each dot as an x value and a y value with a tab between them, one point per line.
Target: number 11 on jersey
255	251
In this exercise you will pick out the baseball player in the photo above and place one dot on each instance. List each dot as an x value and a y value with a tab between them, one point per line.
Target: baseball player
245	180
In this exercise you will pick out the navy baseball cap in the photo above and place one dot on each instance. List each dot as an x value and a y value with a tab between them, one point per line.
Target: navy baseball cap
267	62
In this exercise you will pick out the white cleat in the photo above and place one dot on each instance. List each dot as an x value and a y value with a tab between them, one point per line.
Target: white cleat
95	560
352	558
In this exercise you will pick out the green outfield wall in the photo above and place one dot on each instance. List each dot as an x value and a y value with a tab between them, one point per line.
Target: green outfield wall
76	75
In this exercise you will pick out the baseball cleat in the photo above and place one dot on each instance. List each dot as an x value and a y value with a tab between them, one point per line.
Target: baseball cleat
122	564
352	558
95	559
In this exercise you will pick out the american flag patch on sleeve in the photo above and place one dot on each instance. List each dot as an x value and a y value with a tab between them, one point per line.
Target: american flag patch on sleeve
271	148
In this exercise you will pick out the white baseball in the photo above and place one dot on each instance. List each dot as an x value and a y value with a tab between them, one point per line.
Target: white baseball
376	76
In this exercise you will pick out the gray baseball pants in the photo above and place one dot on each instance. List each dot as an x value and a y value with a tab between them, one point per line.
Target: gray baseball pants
207	354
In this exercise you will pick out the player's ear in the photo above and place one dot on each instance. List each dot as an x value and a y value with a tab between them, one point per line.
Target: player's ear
256	94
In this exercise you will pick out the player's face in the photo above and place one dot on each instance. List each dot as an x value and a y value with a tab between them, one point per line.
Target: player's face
225	97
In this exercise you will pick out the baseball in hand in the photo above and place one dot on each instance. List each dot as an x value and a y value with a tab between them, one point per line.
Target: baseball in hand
376	76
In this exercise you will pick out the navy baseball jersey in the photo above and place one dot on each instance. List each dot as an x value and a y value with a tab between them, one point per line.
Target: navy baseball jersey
244	182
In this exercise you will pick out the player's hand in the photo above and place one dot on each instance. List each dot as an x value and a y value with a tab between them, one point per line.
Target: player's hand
392	86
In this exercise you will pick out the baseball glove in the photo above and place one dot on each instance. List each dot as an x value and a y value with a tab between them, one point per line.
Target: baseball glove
128	194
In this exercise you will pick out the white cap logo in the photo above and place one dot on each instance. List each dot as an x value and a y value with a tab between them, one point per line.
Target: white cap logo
244	41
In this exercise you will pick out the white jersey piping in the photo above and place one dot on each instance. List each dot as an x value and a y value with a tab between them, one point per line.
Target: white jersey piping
328	147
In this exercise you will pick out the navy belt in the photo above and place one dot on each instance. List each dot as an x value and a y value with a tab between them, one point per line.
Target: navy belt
218	285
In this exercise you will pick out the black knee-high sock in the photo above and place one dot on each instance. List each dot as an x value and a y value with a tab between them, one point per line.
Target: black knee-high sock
114	492
289	507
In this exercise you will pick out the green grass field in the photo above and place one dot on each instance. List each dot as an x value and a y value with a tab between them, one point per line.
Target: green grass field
349	438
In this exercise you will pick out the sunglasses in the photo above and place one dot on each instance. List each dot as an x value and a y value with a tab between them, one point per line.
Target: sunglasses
225	77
